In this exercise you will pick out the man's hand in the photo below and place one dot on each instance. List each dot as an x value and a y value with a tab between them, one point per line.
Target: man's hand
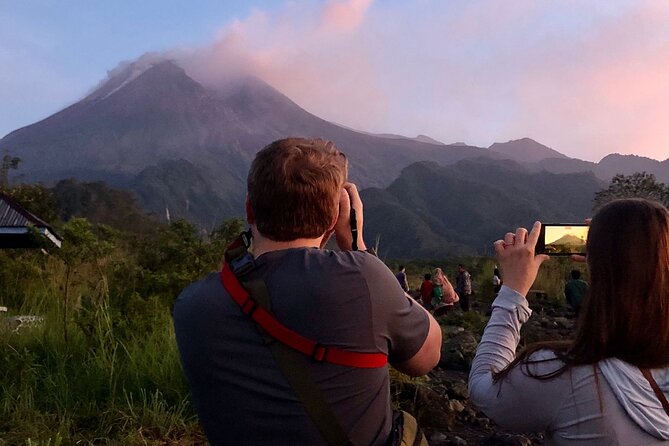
517	259
349	198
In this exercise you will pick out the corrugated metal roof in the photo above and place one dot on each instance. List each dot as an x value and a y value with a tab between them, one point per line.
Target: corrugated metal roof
12	214
14	222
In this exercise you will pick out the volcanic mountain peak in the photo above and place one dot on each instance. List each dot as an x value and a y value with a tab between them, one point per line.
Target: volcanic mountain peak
526	150
569	239
127	72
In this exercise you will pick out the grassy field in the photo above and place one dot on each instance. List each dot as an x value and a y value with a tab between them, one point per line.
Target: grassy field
102	368
115	380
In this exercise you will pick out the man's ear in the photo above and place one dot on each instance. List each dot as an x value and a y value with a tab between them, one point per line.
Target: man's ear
250	217
333	223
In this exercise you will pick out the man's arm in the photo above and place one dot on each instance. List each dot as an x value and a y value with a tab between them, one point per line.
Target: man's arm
405	285
429	354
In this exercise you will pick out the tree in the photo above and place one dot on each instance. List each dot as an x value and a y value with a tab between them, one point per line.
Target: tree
35	198
8	163
81	245
637	185
225	234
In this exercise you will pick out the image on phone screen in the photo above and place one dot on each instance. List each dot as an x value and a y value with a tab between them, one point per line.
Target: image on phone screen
562	239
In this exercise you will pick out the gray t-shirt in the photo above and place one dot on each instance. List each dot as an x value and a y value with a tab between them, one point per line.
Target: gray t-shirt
350	300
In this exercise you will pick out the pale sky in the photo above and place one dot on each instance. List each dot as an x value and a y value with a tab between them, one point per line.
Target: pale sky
584	78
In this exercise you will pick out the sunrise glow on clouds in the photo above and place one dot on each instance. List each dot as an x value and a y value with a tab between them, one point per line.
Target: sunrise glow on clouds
585	78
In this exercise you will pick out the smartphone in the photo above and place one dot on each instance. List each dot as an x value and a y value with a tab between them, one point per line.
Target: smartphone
562	239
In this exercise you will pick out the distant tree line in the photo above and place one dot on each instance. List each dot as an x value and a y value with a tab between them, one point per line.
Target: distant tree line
637	185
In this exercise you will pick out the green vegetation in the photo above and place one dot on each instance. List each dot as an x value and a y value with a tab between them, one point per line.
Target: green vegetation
103	366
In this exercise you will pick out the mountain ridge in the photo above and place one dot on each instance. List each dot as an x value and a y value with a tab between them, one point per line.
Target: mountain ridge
180	146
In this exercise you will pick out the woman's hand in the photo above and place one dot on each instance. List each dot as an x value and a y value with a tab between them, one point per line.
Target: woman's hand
349	198
517	259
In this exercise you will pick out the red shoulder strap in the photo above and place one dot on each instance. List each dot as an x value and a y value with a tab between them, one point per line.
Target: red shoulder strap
286	336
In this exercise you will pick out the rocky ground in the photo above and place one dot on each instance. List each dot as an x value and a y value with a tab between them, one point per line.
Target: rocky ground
441	401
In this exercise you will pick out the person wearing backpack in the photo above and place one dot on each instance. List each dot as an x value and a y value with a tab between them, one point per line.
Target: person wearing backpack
289	343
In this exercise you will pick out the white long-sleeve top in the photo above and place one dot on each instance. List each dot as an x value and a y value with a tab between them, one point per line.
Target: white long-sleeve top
603	404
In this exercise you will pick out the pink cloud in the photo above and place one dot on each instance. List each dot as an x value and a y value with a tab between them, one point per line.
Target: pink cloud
584	80
312	56
345	15
605	91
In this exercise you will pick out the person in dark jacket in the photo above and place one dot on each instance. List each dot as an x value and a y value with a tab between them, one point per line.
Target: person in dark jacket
463	286
575	290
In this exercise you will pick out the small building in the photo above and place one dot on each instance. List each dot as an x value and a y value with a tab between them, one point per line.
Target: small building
16	223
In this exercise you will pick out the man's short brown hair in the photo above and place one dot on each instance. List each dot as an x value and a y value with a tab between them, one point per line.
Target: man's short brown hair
294	186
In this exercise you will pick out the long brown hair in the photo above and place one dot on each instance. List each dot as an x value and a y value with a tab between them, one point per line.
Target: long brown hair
626	312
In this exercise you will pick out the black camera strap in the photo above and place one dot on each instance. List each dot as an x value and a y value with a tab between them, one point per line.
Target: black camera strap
354	230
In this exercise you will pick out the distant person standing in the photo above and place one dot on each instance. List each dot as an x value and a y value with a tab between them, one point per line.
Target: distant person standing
402	278
443	294
575	290
463	286
496	281
426	289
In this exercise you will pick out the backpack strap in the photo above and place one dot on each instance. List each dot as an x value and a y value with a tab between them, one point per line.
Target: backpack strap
660	395
266	320
254	301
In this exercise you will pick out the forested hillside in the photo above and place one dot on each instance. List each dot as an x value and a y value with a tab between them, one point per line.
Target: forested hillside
434	211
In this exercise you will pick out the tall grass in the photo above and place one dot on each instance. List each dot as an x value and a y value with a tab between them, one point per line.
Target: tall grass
93	388
115	380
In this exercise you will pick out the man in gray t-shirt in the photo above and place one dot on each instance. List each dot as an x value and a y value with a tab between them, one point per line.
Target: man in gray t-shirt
346	299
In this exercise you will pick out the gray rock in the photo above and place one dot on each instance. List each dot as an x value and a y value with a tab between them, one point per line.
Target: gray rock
563	322
451	330
437	438
457	352
454	440
456	406
500	439
442	439
483	422
17	323
458	390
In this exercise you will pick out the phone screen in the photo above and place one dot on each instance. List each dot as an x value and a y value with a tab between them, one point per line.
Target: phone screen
562	239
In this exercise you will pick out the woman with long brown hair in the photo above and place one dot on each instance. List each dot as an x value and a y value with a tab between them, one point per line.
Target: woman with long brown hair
608	385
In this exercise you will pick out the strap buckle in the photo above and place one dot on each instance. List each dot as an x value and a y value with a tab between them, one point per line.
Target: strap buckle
249	306
246	238
319	353
242	265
